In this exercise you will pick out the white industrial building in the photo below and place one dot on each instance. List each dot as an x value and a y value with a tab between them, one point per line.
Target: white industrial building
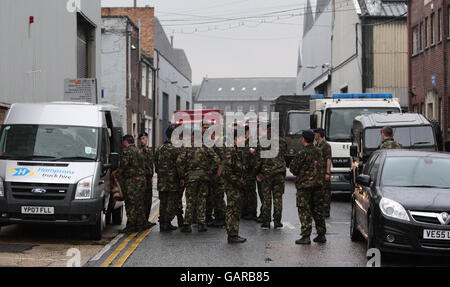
45	42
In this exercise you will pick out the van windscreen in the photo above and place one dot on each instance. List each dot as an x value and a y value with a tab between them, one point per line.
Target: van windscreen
39	142
417	136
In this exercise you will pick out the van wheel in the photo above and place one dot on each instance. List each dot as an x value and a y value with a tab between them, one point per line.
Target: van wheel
117	216
355	235
97	229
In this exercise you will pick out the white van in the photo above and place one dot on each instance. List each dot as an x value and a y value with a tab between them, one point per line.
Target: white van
55	165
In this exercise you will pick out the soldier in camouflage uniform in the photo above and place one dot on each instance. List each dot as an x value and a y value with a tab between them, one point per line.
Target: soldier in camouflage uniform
325	148
148	155
272	173
168	182
250	200
131	174
306	166
216	204
387	134
198	165
233	174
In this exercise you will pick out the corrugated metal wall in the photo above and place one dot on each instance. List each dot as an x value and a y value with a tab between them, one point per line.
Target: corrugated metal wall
390	55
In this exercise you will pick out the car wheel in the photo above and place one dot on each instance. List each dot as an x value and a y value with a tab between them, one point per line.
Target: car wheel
97	229
355	235
371	233
117	216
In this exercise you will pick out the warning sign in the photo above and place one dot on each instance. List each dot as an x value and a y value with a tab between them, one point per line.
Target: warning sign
80	90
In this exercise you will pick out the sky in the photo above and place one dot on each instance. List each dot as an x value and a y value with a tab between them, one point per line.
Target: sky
230	38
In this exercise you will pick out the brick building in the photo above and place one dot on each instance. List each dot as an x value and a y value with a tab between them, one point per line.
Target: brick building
428	48
172	80
3	111
128	45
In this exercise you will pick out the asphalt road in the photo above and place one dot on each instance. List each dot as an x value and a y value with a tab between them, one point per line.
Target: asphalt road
264	248
48	245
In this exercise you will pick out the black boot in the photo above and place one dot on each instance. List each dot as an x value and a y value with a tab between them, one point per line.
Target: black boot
186	228
277	225
303	240
320	239
163	227
202	228
171	227
219	223
236	239
265	225
180	220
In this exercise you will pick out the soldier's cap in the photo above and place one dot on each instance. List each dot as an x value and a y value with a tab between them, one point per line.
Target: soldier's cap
143	135
308	135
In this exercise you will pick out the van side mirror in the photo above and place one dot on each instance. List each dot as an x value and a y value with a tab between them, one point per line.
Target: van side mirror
363	179
353	151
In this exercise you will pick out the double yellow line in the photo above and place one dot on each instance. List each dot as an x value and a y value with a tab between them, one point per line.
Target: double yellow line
124	244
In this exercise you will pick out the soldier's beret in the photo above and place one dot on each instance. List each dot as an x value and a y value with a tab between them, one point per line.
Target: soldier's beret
308	135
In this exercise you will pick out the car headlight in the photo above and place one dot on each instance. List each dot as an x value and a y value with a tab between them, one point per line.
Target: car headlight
84	188
393	209
2	188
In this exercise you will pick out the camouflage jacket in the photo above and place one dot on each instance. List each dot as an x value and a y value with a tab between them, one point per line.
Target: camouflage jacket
132	163
325	148
389	144
234	165
148	155
198	164
274	165
306	166
166	163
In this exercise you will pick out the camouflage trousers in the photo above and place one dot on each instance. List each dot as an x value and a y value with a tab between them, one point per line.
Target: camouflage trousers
327	196
310	204
196	195
215	202
272	187
135	193
234	206
249	200
169	194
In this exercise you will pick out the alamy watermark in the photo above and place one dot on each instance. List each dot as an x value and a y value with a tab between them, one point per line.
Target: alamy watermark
228	130
73	6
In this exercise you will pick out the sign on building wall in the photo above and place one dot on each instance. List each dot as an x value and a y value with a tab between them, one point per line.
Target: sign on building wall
80	90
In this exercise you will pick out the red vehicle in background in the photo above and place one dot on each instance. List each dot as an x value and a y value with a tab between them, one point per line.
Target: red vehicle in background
196	117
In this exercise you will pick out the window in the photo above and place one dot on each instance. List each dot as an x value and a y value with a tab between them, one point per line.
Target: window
422	109
416	171
105	146
415	37
425	36
240	108
252	108
178	103
187	106
439	31
374	169
432	32
144	80
421	37
85	47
